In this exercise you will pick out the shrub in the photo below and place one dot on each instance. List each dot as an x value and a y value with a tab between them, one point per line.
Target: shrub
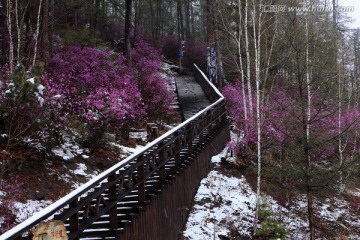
195	52
21	104
11	191
269	227
96	88
281	118
154	89
26	113
170	48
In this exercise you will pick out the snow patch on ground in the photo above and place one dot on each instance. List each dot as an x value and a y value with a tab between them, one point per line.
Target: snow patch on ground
220	203
128	149
81	169
28	209
227	204
142	135
67	151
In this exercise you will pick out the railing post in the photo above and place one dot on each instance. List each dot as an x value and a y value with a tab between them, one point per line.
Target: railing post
74	220
161	160
189	134
140	176
201	129
177	149
112	197
209	122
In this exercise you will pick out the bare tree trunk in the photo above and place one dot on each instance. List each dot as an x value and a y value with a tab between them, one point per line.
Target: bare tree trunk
137	16
340	143
180	19
127	28
210	22
241	65
267	67
257	44
310	208
192	19
51	29
187	18
45	33
159	19
96	15
307	145
37	35
247	48
9	26
18	30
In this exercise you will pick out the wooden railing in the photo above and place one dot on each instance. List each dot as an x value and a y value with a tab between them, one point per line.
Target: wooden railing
138	178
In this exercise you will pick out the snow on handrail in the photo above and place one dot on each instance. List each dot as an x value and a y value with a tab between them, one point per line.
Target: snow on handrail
62	202
209	82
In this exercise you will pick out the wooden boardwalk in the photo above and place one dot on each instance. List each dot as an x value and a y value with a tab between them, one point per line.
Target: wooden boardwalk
145	196
191	96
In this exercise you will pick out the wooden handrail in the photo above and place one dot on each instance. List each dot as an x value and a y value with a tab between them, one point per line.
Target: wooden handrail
99	196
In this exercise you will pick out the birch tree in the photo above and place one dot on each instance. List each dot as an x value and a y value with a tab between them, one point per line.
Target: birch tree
241	67
37	35
248	60
307	145
9	10
256	22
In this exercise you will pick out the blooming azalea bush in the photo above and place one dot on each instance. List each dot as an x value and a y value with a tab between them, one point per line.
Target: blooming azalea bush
95	89
170	47
102	90
154	89
84	89
282	123
195	51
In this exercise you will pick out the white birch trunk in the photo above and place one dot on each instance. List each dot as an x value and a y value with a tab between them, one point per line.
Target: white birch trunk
37	35
308	87
248	72
18	29
11	43
267	67
241	66
257	37
340	144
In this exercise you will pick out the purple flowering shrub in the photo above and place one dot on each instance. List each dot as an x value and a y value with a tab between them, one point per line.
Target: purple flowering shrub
170	47
154	89
195	51
95	89
11	191
102	90
84	89
282	123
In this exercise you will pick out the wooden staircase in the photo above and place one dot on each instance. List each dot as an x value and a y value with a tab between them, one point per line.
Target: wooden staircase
147	195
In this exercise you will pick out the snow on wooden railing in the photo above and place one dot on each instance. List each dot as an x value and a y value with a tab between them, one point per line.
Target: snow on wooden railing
98	197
